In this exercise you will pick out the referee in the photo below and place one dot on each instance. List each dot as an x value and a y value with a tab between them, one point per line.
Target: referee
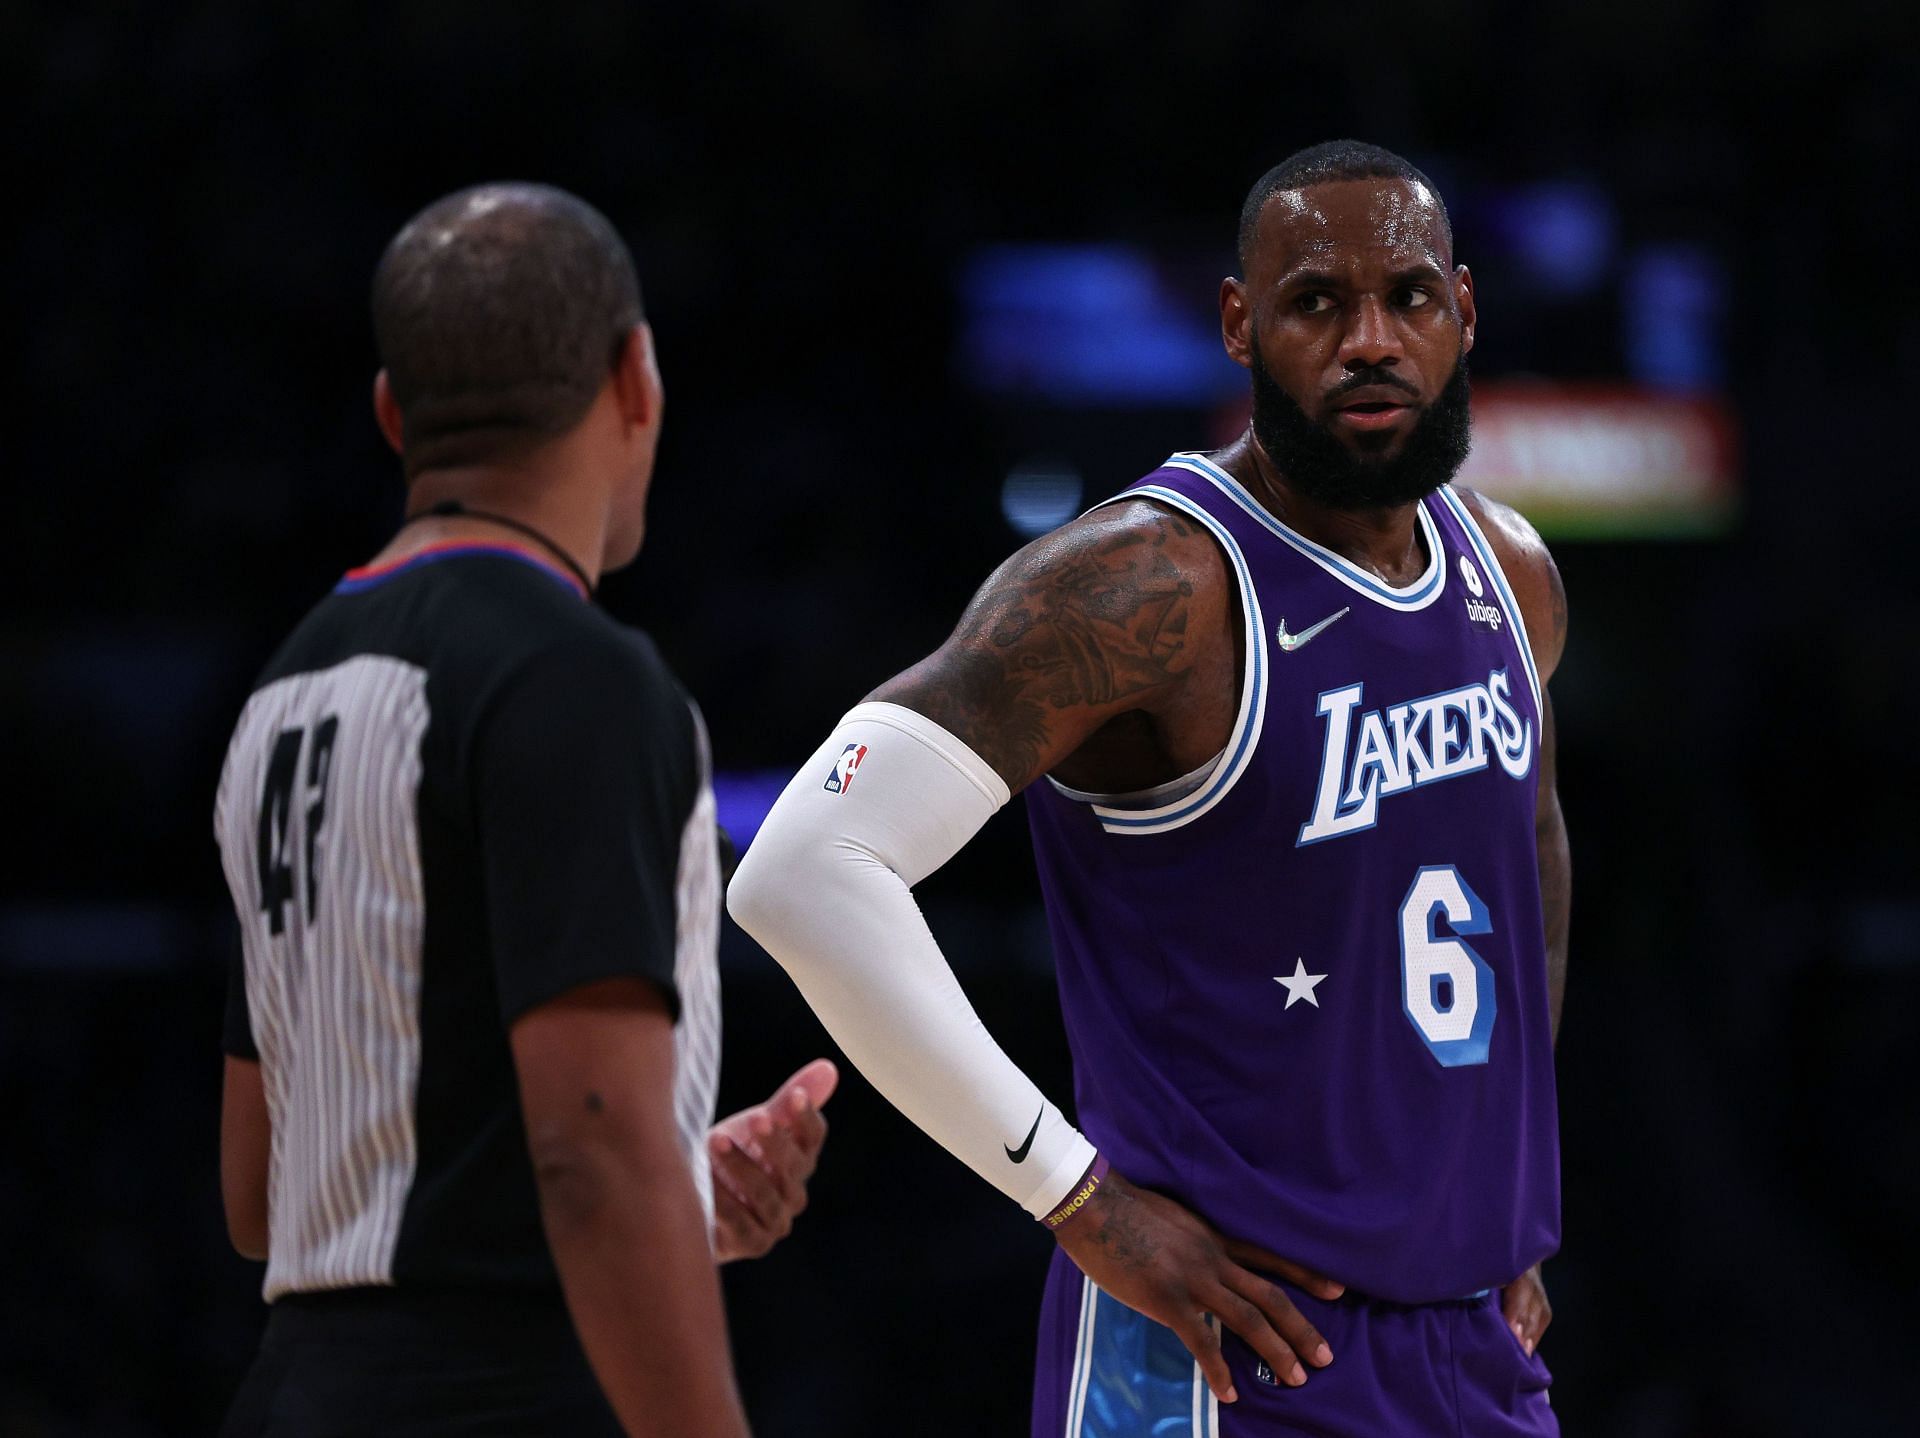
474	1030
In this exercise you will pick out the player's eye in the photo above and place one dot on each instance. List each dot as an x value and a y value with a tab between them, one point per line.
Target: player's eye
1412	297
1314	302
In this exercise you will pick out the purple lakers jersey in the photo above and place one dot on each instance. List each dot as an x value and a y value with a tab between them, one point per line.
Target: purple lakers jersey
1307	996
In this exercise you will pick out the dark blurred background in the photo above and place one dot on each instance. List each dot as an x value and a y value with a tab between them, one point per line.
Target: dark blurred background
925	280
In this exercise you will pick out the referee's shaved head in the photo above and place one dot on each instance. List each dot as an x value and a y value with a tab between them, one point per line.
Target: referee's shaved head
498	312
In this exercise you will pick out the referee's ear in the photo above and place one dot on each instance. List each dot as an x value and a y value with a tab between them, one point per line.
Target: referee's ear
386	413
636	379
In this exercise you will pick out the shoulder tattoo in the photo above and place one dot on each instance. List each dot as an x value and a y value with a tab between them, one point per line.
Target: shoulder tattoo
1087	618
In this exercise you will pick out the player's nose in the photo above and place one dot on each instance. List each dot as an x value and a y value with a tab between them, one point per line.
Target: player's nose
1371	339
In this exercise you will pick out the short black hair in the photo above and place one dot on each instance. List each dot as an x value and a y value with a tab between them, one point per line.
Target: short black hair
1320	164
498	312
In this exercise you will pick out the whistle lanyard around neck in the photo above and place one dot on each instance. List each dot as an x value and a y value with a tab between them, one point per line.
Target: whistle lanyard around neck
454	509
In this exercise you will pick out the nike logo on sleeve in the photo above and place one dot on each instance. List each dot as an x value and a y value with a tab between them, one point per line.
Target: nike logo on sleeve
1019	1155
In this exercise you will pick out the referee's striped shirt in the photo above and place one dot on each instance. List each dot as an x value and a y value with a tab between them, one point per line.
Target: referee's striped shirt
457	792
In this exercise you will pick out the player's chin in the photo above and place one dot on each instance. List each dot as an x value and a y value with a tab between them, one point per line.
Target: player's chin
1376	449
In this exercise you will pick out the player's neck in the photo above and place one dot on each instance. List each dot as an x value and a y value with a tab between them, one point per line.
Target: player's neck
1384	539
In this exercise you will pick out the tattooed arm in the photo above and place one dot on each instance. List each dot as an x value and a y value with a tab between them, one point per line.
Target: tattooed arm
1125	615
1556	865
1543	604
1126	611
1106	645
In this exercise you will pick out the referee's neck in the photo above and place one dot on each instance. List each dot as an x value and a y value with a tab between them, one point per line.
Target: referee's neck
549	491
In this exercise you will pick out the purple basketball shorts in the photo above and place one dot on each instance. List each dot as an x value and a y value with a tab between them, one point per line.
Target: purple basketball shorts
1442	1370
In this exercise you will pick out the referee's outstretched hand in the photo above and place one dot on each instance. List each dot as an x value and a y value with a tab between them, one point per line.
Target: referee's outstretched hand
762	1158
1156	1257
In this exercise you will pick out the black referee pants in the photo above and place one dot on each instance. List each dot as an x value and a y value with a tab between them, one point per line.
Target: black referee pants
369	1362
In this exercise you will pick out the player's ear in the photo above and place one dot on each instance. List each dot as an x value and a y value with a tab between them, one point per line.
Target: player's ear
386	413
1236	321
636	379
1463	297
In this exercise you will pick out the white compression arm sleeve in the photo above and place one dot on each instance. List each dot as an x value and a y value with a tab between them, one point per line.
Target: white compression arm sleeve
825	888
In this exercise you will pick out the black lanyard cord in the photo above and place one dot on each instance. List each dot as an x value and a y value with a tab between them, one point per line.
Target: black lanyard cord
453	508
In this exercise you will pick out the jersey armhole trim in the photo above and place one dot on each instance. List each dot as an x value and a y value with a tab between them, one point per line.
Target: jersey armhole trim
1253	692
1478	539
1154	796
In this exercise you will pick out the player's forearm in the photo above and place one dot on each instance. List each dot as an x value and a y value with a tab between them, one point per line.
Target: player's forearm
826	889
630	1242
1555	858
1556	900
907	1026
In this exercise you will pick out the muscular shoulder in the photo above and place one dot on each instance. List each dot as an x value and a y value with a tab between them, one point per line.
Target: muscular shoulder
1102	616
1109	562
1530	569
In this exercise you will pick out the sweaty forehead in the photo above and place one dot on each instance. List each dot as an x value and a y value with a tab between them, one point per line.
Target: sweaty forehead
1349	222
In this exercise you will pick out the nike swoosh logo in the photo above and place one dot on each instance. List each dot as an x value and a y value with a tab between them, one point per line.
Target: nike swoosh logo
1019	1155
1290	642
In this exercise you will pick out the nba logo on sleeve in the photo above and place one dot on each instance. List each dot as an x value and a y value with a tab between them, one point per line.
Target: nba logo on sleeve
841	779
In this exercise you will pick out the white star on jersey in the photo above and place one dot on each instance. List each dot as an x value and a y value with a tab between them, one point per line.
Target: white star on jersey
1300	984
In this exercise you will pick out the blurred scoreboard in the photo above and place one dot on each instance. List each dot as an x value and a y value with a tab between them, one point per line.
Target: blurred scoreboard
1605	461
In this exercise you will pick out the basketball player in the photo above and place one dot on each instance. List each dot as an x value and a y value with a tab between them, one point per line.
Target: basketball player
467	825
1281	709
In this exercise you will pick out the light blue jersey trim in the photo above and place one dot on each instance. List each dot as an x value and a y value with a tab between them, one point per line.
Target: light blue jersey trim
1418	595
1253	693
1478	539
1133	1378
1082	1357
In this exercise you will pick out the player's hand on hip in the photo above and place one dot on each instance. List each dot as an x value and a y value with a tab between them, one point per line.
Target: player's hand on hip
762	1158
1523	1303
1156	1257
1252	1255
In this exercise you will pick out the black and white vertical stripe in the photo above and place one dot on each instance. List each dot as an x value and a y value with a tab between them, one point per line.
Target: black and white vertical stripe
334	999
696	975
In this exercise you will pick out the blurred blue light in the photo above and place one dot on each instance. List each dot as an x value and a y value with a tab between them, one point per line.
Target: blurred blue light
1671	302
1039	496
742	799
104	936
1563	233
1087	324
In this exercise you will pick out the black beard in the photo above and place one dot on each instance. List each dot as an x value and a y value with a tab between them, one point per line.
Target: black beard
1324	470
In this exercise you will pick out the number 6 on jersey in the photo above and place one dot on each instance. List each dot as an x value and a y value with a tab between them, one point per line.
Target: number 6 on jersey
1446	986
